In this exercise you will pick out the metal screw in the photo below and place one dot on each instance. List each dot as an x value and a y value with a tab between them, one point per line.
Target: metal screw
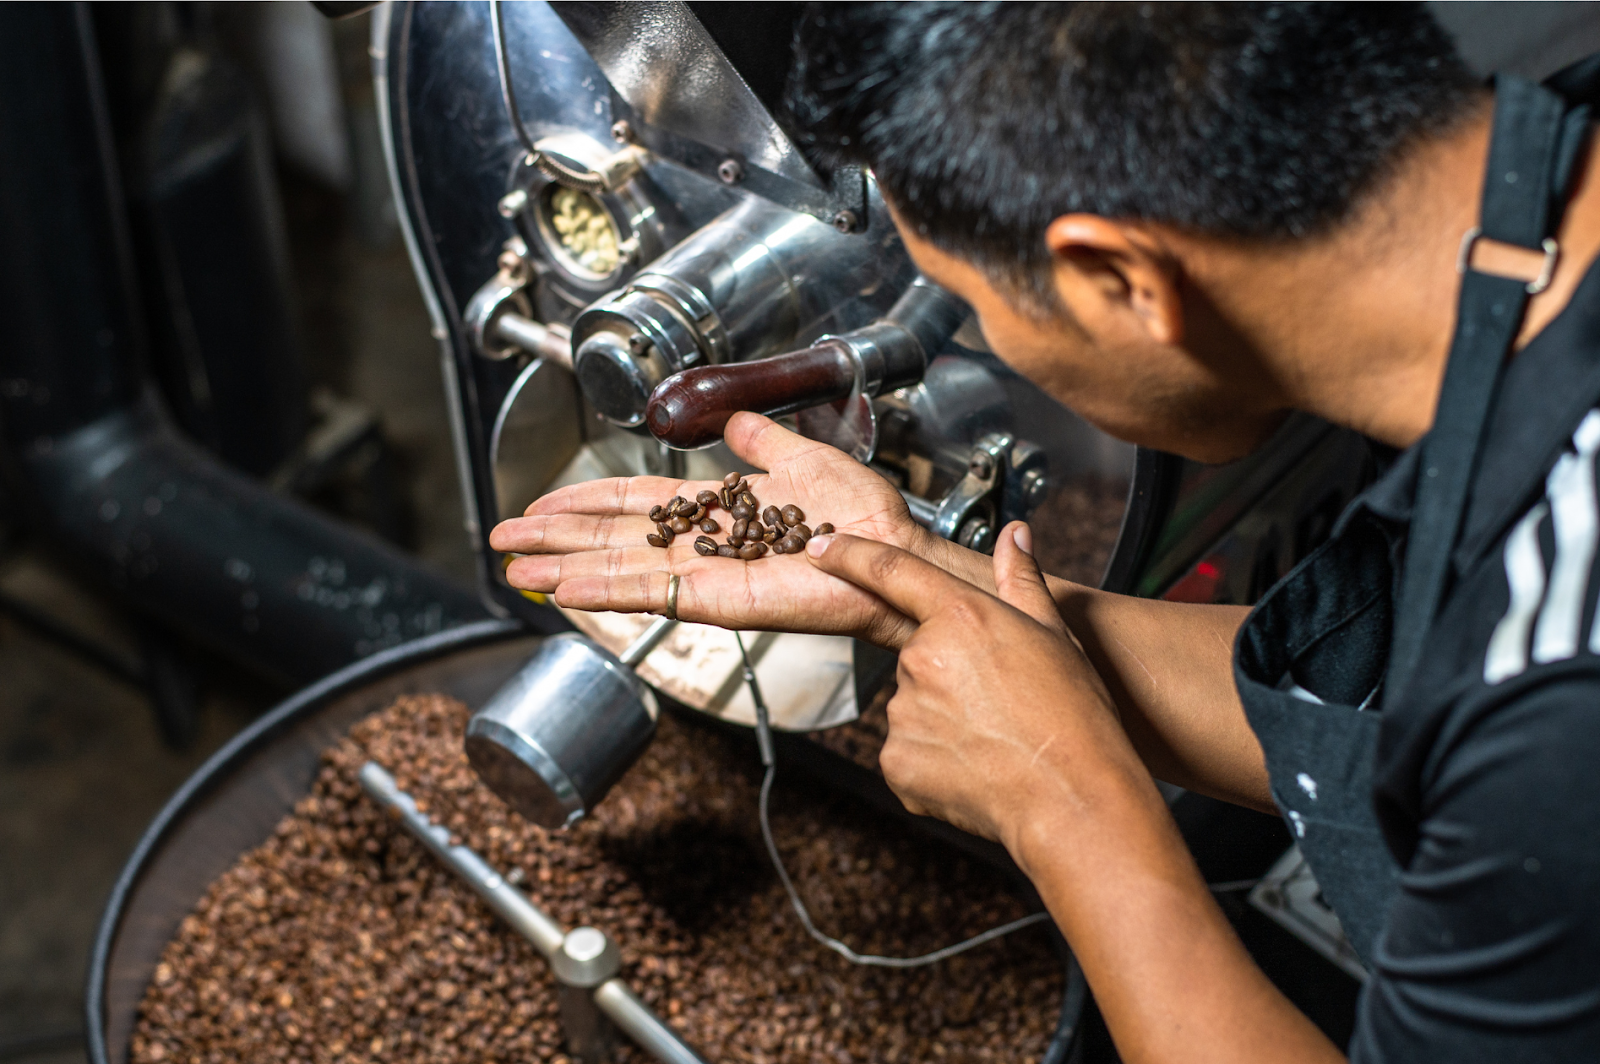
846	221
730	171
981	465
638	344
621	132
512	203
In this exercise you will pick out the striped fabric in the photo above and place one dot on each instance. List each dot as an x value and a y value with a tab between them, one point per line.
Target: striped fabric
1544	618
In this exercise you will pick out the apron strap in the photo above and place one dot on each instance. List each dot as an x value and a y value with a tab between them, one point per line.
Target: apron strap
1521	205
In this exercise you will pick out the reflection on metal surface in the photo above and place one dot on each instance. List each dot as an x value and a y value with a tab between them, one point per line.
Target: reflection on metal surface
805	677
664	64
535	436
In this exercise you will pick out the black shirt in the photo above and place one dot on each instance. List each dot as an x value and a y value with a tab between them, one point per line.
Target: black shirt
1487	782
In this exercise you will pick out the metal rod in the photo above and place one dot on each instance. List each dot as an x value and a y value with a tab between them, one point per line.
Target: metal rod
624	1008
648	640
552	342
639	1023
507	901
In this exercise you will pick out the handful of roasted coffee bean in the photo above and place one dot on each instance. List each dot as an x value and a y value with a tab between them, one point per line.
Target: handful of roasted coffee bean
780	529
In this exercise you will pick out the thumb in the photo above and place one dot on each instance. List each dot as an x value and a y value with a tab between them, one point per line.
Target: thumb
764	443
1017	578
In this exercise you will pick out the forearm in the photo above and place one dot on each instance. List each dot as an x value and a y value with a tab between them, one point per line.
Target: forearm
1168	973
1169	668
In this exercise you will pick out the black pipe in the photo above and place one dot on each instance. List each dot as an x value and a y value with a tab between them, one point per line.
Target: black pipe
135	506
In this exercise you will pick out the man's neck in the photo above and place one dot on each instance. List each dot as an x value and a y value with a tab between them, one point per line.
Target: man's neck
1355	326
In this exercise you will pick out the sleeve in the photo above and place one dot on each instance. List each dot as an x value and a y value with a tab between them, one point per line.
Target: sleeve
1491	948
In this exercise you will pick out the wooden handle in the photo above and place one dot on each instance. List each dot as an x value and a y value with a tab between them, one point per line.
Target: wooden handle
691	408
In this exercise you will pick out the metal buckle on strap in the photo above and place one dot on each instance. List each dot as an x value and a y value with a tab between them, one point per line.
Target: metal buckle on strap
1499	259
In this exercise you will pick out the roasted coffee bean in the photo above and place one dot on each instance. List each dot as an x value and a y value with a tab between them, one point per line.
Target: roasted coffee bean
749	500
742	512
708	499
673	504
705	546
792	515
340	938
771	535
771	515
731	480
824	529
665	532
680	524
727	550
740	529
698	514
655	540
708	526
751	551
658	514
687	507
801	532
726	498
789	545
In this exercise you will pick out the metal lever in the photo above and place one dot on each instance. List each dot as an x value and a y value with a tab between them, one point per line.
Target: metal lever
691	408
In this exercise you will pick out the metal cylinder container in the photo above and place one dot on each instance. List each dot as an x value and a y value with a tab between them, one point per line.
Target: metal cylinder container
748	284
562	731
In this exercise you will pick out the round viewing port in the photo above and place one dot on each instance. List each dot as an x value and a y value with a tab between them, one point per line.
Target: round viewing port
580	232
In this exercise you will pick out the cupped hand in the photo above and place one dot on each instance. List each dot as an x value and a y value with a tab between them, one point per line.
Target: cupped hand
998	713
585	544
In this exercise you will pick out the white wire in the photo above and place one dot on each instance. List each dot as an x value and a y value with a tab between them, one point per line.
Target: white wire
764	738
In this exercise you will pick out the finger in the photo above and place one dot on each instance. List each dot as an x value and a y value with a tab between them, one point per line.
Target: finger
764	443
617	495
543	572
721	591
566	533
908	584
1017	578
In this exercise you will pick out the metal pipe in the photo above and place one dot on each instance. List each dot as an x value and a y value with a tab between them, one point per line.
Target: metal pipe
135	506
614	998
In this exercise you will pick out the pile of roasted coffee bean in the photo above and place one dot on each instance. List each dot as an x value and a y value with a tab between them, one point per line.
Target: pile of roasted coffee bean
754	531
341	939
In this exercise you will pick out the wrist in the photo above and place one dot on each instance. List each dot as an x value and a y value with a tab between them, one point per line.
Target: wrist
1082	813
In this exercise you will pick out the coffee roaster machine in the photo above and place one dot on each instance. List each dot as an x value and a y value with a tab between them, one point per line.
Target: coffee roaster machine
620	243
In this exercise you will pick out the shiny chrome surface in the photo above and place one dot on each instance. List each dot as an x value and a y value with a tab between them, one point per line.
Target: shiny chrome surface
554	739
454	158
754	282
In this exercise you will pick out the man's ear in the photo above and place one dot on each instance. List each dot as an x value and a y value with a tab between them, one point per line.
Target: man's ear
1106	271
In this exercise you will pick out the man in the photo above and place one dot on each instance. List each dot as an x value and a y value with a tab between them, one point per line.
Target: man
1183	222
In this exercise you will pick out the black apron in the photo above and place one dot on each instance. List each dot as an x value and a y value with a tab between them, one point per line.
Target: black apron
1342	634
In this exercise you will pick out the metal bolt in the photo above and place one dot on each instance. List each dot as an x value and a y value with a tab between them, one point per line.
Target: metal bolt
977	534
621	132
846	221
1035	486
981	465
512	203
638	343
730	171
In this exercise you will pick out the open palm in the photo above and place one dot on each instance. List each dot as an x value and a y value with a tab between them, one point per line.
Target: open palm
585	544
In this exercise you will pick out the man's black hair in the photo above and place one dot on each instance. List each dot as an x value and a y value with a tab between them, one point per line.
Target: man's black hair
984	121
